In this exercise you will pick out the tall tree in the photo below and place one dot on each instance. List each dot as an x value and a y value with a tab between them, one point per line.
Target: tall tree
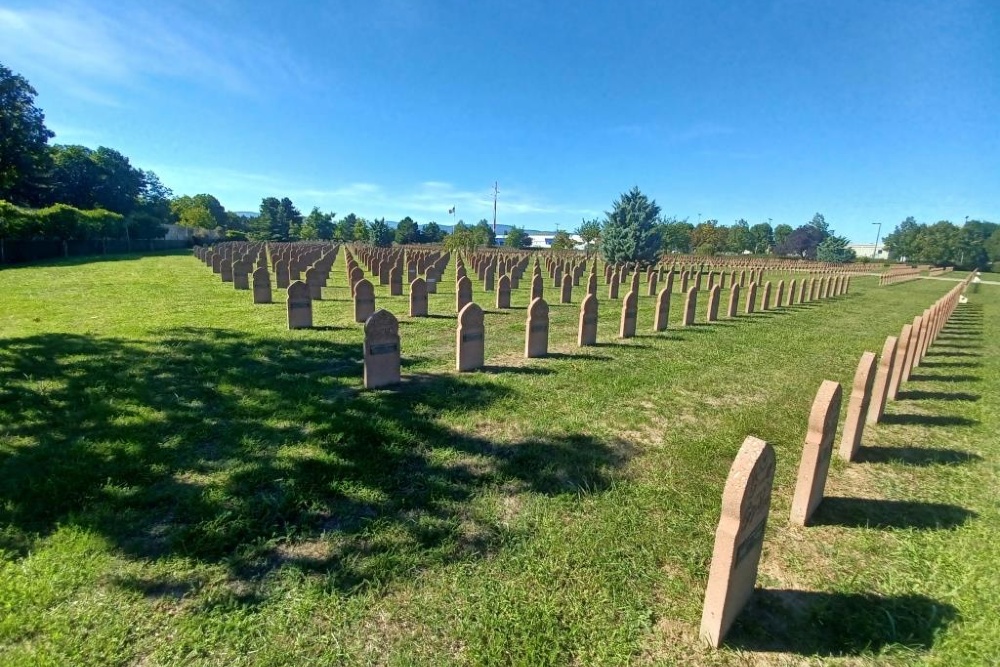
563	241
781	234
676	235
834	249
24	156
484	234
590	232
317	226
761	238
407	231
738	237
517	238
379	233
432	233
630	232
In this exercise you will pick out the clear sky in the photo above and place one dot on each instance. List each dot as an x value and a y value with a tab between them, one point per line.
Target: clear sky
865	111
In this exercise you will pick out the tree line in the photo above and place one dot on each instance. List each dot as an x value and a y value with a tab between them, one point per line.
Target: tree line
974	245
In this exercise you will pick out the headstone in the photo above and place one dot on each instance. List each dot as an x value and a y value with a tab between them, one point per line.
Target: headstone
418	298
300	313
662	314
592	284
746	503
804	290
312	281
431	281
880	389
356	275
587	334
463	293
902	343
226	271
536	339
690	304
734	300
241	275
396	281
566	294
469	338
766	299
713	304
503	292
751	299
816	453
382	355
536	286
651	287
489	278
261	286
364	301
630	312
857	406
613	286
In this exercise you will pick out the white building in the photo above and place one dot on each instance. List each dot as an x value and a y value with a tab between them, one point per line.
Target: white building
868	250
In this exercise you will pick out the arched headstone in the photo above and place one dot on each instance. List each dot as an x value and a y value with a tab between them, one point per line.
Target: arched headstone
418	298
381	354
261	286
299	305
630	314
470	338
536	338
364	300
587	333
816	452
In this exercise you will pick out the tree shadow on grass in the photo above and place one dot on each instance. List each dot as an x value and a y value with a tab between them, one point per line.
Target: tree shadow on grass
838	624
915	456
900	514
258	453
906	419
918	395
958	377
950	364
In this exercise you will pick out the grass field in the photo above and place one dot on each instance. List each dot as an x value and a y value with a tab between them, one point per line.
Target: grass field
185	481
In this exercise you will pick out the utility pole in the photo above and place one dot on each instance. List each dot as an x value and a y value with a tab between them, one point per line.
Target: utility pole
496	191
877	234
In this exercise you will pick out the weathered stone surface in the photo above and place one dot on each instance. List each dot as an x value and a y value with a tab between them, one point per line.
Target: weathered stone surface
734	300
746	503
536	335
751	299
261	286
463	293
765	303
662	315
816	453
396	281
712	314
880	389
470	350
536	286
382	353
690	304
630	313
364	300
902	343
613	286
857	406
503	293
418	298
299	303
312	281
566	294
587	332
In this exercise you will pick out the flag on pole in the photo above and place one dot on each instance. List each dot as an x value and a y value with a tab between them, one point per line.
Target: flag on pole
451	211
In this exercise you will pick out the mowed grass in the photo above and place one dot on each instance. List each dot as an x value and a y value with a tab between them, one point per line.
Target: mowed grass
185	481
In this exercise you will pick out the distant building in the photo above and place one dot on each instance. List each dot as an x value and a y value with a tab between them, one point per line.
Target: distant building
868	250
543	240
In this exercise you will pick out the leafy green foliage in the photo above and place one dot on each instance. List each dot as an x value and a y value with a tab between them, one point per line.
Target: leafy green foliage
517	238
834	249
380	234
278	220
561	240
24	157
630	231
676	235
407	231
943	243
317	226
590	232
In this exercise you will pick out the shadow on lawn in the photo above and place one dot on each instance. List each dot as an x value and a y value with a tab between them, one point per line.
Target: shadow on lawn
915	456
871	513
832	624
256	453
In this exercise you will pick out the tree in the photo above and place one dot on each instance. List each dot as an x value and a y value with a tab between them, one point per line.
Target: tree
820	223
432	233
630	230
86	178
24	155
517	238
563	241
902	242
992	246
761	238
345	228
708	237
361	230
834	249
317	226
590	232
202	211
462	238
407	231
380	234
802	242
676	235
484	234
781	234
738	237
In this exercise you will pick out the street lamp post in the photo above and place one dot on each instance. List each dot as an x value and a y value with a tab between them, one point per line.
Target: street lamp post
877	235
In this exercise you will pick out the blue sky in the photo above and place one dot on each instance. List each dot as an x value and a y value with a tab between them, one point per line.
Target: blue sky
864	111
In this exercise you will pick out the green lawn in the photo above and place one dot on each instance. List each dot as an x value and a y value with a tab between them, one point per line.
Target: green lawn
185	481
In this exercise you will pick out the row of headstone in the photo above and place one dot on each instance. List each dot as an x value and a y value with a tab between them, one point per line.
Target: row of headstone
746	499
898	275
